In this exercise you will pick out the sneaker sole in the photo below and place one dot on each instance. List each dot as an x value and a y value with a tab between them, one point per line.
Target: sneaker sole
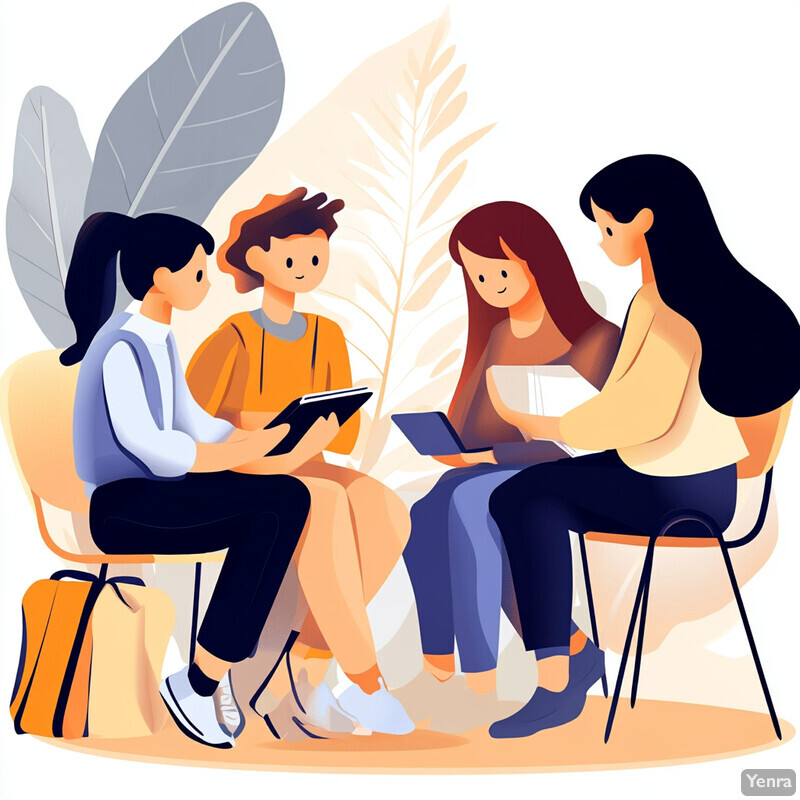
173	712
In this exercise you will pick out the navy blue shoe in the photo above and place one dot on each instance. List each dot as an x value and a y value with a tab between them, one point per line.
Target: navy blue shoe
548	709
544	710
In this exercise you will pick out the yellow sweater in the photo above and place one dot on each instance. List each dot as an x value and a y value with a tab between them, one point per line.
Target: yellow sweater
243	368
651	409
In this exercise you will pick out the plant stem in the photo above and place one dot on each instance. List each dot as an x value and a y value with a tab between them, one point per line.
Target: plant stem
398	294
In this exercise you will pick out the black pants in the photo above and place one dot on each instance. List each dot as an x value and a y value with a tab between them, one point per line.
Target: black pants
258	518
536	509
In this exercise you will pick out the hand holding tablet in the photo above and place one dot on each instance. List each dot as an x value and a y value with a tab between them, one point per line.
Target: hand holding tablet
303	412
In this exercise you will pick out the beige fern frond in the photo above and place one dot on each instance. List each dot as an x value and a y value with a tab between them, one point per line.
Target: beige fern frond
443	191
412	110
449	115
437	251
450	359
445	92
413	64
391	134
433	48
364	180
364	282
439	66
422	296
452	153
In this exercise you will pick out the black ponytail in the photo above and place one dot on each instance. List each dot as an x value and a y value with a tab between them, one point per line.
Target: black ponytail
143	244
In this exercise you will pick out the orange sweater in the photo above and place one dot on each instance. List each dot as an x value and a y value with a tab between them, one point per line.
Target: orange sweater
243	368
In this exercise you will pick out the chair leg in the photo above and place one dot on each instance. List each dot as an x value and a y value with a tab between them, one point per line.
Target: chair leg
637	663
198	574
292	683
283	654
590	602
628	639
751	641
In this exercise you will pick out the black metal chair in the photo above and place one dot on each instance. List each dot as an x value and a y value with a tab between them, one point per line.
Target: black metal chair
710	536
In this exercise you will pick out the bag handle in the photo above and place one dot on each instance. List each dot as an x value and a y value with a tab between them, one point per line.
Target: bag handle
113	583
75	574
72	664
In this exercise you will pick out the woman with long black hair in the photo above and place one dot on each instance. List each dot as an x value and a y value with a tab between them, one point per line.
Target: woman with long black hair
679	411
156	466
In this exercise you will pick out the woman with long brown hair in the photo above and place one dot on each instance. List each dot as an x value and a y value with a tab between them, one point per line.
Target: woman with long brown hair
525	308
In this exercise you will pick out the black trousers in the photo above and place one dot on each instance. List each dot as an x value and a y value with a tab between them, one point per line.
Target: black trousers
537	508
258	518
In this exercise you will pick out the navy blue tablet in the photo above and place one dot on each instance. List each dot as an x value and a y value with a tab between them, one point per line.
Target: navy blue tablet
431	433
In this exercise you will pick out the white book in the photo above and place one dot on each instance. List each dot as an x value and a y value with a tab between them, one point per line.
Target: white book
548	390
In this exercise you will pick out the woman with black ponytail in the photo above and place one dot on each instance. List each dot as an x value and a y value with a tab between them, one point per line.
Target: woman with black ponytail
680	413
156	466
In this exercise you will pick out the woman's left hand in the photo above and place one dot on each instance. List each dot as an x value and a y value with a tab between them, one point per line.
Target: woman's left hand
535	425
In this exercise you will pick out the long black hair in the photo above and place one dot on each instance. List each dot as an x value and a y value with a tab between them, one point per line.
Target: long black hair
144	244
750	338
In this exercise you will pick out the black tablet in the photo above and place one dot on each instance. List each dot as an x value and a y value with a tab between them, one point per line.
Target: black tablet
303	412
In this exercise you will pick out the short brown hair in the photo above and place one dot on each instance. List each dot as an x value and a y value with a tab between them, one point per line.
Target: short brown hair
280	216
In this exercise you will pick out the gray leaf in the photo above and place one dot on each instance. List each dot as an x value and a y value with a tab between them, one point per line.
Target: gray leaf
45	208
193	121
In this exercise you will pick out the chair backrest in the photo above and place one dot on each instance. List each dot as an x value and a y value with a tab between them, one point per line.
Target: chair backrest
37	397
763	436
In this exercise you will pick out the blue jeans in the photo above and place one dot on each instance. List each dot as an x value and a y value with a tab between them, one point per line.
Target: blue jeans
458	566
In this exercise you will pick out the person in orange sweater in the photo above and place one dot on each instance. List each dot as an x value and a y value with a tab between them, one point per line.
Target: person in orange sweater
246	372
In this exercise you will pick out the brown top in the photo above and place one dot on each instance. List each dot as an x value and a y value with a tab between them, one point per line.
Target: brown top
474	416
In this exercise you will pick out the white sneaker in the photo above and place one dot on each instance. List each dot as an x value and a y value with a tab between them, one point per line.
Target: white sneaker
228	711
311	712
324	711
380	711
194	714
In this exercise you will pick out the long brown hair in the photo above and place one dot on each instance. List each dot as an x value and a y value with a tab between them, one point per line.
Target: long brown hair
529	236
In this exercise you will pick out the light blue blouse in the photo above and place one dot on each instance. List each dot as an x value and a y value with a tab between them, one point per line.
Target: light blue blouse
168	451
